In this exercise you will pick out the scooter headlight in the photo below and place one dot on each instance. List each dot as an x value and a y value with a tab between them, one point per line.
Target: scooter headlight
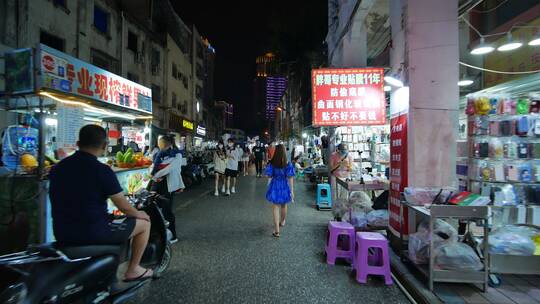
14	294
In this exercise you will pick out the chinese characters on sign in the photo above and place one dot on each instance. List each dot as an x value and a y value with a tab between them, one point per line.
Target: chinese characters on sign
347	97
64	73
398	171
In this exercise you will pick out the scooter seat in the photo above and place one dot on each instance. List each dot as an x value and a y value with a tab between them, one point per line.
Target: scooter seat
77	252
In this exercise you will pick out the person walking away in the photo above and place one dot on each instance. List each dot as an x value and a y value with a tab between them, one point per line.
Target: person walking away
166	155
231	170
280	186
259	151
220	164
245	160
341	164
79	188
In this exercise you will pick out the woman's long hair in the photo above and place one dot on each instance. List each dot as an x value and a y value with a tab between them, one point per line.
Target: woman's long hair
280	157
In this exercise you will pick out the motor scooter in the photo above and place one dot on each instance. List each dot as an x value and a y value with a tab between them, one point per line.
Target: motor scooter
58	273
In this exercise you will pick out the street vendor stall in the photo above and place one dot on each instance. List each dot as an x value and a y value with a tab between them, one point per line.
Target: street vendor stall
68	94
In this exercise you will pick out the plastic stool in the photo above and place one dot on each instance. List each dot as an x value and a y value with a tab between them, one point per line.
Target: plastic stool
334	249
377	263
324	196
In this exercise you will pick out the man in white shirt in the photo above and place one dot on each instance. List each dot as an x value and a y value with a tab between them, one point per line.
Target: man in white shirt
231	171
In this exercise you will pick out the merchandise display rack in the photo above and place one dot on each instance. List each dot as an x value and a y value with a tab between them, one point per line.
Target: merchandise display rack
504	160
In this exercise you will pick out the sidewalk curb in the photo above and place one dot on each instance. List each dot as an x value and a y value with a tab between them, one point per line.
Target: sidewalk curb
416	288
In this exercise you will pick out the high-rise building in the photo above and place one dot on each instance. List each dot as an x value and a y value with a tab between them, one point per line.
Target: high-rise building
267	67
275	88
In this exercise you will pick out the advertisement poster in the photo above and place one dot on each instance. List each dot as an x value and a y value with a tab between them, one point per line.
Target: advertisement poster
348	97
398	172
70	121
19	69
63	73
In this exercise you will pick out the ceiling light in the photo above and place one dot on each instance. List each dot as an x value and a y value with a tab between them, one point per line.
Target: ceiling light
510	45
92	119
393	81
482	48
387	88
535	42
51	121
465	82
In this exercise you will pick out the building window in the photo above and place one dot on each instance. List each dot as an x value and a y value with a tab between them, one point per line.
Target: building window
155	61
185	82
104	61
198	92
133	77
52	41
173	100
101	20
156	93
61	3
174	71
132	42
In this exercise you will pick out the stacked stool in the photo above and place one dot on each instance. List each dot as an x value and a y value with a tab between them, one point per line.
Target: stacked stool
324	196
333	247
376	262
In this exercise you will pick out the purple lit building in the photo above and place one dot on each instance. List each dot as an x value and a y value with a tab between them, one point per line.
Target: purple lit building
275	88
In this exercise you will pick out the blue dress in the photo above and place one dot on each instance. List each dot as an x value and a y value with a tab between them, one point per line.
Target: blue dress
279	191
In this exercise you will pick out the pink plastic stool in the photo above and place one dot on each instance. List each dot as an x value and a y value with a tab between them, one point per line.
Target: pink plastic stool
336	249
377	263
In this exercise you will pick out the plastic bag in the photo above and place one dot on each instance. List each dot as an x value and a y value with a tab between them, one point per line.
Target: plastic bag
378	218
425	196
513	240
358	219
443	233
457	256
419	247
361	200
339	208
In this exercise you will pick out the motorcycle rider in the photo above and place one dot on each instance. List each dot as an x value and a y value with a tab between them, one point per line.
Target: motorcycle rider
79	188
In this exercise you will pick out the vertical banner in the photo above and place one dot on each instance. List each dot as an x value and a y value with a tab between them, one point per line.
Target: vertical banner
398	172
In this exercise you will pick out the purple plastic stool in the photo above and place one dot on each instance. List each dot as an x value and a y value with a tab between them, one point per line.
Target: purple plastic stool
378	262
335	249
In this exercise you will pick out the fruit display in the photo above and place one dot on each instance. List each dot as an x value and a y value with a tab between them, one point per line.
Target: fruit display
131	160
28	162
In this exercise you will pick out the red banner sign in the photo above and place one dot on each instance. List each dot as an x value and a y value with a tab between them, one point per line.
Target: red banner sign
398	172
348	97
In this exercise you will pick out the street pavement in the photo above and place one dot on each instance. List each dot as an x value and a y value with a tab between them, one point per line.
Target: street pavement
226	254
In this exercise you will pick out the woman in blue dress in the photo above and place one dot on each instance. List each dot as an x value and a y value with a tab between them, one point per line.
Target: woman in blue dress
280	186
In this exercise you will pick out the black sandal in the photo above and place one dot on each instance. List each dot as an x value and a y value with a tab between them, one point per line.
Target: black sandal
142	277
275	234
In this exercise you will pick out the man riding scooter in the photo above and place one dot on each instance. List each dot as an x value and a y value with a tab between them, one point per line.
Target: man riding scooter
79	188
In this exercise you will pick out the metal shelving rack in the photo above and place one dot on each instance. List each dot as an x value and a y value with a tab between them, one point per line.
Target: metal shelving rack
434	212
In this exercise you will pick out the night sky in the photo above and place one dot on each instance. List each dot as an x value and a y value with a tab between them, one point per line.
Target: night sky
241	30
